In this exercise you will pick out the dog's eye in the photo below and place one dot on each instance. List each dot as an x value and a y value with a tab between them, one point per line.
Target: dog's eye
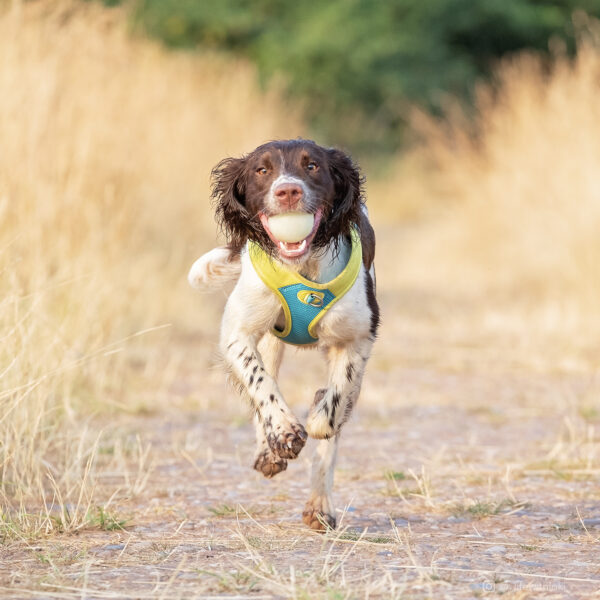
312	166
261	170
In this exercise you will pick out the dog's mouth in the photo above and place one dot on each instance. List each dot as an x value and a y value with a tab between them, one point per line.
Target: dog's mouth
291	249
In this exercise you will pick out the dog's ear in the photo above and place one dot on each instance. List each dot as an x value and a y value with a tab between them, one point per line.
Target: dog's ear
367	238
229	196
348	205
348	194
347	181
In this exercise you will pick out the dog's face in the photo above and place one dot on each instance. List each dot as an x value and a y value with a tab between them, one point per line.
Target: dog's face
283	176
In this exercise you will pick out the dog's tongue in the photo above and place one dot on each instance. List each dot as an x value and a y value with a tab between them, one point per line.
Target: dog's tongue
292	248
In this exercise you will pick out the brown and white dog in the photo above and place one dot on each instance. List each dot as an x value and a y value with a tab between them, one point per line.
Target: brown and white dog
277	177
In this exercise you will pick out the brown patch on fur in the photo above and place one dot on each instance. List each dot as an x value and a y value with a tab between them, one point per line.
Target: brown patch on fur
269	464
234	253
373	305
316	518
287	444
367	240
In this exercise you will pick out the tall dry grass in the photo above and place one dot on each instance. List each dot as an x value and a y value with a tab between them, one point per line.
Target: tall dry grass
105	149
511	195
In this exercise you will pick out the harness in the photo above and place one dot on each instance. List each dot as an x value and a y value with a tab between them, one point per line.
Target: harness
304	302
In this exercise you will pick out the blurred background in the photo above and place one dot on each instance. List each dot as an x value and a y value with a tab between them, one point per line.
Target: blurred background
476	122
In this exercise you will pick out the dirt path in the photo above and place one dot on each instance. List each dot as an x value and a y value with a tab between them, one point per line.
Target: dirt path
435	498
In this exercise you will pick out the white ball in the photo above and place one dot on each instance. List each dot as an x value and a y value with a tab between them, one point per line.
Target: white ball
291	226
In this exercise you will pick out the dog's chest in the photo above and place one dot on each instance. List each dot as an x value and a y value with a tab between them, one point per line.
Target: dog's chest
348	319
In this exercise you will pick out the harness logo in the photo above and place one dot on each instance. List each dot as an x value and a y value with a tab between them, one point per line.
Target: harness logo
311	298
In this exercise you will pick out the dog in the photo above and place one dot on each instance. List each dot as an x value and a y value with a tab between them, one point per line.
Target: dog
318	292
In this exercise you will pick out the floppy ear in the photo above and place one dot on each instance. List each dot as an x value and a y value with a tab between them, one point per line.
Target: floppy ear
367	238
229	196
348	194
347	181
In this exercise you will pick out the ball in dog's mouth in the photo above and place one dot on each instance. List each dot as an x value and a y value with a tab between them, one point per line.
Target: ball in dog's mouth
292	232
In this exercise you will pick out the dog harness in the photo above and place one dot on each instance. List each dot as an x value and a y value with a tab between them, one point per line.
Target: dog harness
304	302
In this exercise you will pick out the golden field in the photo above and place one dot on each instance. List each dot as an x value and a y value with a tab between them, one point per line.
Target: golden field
488	266
517	183
107	145
501	207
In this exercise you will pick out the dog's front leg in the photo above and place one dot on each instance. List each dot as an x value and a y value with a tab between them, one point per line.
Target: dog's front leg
284	434
266	461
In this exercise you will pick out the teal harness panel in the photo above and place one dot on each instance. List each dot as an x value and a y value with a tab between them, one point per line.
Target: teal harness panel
304	304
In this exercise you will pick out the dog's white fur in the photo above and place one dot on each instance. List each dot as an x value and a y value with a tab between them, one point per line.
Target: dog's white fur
253	354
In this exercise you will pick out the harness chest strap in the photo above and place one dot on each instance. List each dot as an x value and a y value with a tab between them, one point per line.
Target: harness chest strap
304	302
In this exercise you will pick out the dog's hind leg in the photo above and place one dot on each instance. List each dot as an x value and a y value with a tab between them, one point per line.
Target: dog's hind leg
266	461
331	408
215	268
332	405
319	513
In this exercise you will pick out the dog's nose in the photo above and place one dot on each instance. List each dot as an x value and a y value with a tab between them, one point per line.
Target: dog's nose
288	195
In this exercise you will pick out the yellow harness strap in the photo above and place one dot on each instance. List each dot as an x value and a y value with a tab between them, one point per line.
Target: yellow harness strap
304	302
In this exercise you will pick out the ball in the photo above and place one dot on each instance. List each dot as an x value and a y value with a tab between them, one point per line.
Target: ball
291	226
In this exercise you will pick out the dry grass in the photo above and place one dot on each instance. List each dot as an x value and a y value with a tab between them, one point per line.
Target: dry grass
107	143
512	192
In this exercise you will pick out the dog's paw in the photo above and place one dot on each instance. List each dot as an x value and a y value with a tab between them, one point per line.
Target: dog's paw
318	515
320	422
269	464
287	440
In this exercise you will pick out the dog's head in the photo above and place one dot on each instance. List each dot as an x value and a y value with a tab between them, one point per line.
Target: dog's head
283	176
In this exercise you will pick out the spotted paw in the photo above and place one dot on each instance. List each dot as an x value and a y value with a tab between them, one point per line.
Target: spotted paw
317	519
269	464
287	443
